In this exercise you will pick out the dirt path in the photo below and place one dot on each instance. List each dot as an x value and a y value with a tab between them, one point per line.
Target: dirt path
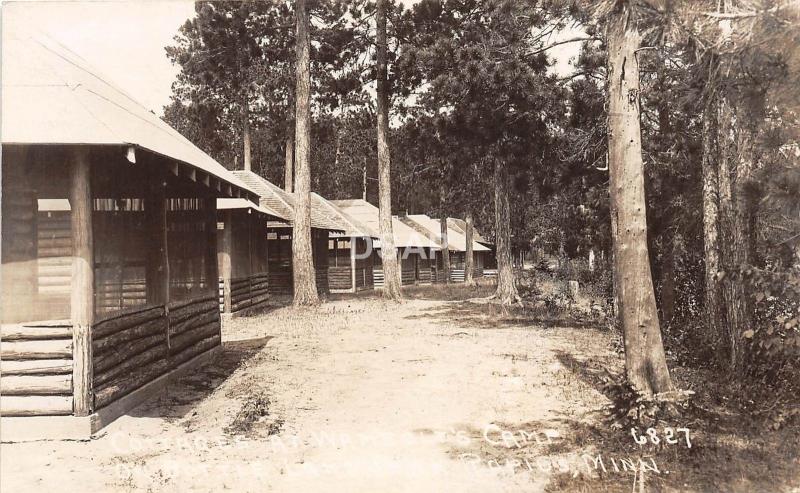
354	396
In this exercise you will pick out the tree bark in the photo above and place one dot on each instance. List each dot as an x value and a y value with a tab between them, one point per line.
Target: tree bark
735	170
469	261
288	170
445	248
645	362
506	290
391	270
305	287
712	313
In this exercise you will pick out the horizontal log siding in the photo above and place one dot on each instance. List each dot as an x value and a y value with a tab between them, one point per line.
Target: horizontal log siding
364	279
134	348
322	280
424	273
36	369
280	278
408	275
340	278
246	292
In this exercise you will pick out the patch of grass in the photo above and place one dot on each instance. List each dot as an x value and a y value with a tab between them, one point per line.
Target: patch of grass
254	409
451	292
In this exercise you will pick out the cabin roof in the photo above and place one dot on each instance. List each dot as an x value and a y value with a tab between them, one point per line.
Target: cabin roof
367	214
461	226
354	226
236	203
51	95
281	201
456	241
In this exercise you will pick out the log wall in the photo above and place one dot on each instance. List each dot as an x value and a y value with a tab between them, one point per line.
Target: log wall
457	275
408	268
36	369
280	279
340	278
134	348
424	274
364	278
246	292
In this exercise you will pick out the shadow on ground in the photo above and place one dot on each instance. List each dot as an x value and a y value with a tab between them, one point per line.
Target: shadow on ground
182	395
472	315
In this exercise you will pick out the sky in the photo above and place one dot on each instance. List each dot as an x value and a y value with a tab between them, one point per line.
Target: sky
125	39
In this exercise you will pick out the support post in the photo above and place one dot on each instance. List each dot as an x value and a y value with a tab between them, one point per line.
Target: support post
165	259
212	274
82	299
353	245
227	240
445	249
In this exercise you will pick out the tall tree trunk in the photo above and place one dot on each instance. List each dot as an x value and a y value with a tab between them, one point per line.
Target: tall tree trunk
711	196
445	248
246	133
391	269
506	290
469	261
645	362
735	171
288	169
305	287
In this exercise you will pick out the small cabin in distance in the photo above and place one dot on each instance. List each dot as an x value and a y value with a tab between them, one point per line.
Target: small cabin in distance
456	244
279	234
483	260
351	259
243	254
415	251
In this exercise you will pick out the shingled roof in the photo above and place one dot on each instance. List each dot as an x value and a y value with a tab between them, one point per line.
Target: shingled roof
355	227
323	215
227	204
50	95
461	226
367	214
456	241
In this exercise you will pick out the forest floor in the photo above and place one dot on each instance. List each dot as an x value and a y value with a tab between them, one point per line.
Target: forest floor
434	394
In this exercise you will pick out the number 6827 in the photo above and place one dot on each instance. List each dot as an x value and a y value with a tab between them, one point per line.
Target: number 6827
668	435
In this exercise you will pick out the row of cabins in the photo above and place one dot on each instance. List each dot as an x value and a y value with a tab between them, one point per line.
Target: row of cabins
122	243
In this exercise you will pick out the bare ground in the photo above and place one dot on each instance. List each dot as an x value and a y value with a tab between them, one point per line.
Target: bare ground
362	395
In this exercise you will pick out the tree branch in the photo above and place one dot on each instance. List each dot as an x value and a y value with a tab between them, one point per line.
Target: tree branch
557	43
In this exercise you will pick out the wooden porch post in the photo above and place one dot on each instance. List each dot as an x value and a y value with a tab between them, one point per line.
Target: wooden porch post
82	299
211	273
445	249
226	261
353	245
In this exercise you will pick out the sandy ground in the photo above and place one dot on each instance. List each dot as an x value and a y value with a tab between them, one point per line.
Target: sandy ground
356	395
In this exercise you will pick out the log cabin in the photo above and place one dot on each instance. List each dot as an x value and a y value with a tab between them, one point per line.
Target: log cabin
486	258
324	225
414	250
350	258
109	272
456	244
243	254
